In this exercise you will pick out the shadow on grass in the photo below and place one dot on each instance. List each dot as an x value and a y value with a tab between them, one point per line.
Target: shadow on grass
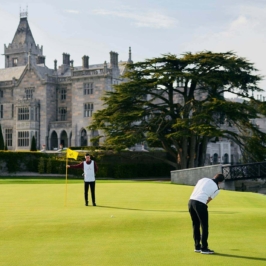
135	209
145	210
222	212
239	257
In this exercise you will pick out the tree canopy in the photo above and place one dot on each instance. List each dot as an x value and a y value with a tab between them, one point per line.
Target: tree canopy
178	104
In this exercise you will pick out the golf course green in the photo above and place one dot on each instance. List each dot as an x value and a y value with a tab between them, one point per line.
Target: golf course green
45	222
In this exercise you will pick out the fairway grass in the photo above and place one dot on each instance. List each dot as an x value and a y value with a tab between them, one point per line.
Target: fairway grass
45	222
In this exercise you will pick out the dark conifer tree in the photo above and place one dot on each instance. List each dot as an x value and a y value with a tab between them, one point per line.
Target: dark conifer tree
33	144
178	104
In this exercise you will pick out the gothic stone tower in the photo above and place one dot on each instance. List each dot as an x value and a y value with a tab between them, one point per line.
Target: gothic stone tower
16	53
53	105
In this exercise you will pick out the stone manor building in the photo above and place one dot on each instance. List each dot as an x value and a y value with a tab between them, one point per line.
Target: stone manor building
54	105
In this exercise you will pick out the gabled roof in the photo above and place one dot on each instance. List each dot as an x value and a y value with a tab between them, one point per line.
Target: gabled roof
11	72
43	70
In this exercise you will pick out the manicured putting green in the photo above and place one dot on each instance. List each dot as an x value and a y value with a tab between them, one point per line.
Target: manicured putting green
135	223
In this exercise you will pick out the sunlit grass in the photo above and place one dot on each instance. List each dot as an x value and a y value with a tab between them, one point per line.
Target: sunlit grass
135	223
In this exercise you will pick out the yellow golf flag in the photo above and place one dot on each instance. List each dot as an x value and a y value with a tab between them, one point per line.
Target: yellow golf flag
72	154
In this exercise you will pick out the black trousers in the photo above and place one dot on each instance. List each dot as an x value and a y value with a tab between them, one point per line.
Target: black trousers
199	216
90	185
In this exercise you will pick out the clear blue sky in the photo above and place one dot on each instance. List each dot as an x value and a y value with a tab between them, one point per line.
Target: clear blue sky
150	27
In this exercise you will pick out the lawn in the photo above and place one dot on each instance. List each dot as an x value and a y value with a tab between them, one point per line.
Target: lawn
135	223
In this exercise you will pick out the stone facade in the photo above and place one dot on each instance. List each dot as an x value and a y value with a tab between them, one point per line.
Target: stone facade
54	105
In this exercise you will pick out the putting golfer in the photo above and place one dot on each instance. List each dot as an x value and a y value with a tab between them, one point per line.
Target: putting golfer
205	190
90	168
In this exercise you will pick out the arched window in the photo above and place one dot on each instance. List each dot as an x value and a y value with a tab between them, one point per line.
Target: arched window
83	138
54	141
63	139
215	158
226	158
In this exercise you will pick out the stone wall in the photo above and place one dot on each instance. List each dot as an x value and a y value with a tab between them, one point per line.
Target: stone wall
192	175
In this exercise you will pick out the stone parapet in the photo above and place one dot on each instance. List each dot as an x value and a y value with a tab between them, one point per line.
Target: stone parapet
60	124
6	83
94	72
191	176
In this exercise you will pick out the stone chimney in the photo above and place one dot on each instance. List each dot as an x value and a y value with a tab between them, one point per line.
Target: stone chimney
85	61
41	59
105	67
129	56
55	64
66	59
114	59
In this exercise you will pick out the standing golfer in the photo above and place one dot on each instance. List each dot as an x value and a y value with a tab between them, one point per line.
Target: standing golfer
205	190
90	168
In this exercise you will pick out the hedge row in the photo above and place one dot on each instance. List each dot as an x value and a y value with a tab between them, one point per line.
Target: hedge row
125	171
45	163
20	161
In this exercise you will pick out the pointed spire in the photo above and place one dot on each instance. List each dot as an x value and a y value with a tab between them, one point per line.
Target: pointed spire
22	42
23	34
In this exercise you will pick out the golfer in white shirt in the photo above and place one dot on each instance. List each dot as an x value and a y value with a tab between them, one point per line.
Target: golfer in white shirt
205	190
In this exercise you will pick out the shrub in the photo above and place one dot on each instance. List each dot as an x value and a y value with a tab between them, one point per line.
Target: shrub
31	164
41	166
102	171
61	167
49	166
124	171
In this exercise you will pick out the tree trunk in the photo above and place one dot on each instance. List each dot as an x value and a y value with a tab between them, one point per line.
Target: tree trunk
197	151
192	149
182	154
203	150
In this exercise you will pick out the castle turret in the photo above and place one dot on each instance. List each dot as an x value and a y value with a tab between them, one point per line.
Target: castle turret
16	53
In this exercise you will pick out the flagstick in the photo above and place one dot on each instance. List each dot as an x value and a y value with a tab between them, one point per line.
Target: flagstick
66	184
